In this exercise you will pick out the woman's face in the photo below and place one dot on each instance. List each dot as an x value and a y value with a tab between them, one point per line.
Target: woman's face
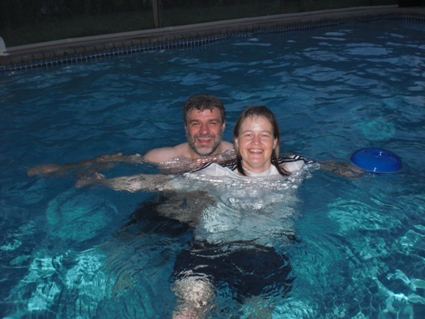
256	143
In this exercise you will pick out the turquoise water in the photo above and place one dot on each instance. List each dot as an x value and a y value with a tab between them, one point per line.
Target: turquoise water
65	252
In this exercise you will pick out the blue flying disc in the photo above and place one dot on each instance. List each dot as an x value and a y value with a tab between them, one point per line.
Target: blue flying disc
376	160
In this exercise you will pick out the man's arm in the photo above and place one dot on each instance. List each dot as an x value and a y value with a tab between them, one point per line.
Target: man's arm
104	161
165	154
168	159
178	159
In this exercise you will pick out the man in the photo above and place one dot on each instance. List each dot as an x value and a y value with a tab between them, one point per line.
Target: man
205	121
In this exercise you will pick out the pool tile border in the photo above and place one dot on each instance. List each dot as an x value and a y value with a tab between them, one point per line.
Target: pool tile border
98	48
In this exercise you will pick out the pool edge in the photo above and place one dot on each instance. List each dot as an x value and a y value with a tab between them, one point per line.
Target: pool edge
74	50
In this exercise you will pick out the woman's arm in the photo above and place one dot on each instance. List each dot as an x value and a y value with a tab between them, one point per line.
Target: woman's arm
293	162
341	168
134	183
185	207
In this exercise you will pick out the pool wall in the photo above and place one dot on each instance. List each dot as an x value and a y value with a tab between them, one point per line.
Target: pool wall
78	50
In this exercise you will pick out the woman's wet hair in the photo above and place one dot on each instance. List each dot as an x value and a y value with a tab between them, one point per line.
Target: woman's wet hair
201	102
256	111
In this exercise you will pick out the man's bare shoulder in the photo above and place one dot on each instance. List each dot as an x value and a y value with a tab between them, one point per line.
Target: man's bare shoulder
226	146
164	154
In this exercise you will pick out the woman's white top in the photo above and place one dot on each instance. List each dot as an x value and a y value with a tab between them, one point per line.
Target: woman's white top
214	169
292	164
258	207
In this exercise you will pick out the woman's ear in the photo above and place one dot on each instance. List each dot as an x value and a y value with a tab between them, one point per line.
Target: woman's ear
274	143
235	142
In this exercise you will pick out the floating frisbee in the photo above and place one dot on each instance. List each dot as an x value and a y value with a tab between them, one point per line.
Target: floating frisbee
376	160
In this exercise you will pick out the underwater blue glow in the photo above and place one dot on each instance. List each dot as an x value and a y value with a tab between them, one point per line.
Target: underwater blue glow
359	247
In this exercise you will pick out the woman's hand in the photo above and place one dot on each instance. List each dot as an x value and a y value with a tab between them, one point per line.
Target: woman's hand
343	169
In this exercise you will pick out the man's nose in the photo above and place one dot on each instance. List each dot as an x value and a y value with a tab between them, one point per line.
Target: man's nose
204	128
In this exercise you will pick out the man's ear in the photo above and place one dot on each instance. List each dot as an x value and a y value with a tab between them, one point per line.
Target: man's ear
223	127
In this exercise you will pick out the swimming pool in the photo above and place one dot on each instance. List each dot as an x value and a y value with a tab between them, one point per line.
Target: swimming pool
359	253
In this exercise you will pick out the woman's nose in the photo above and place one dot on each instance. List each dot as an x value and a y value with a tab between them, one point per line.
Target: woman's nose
256	139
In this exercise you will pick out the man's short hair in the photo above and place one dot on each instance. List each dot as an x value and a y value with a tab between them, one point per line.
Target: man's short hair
202	102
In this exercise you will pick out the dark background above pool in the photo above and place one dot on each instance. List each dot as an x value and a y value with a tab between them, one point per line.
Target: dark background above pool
27	21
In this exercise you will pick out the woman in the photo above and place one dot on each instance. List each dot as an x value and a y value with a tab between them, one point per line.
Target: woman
256	140
235	235
247	265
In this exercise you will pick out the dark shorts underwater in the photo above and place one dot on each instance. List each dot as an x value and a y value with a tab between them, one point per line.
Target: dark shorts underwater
247	269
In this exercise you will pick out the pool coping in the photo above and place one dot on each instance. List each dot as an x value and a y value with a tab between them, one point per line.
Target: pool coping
38	55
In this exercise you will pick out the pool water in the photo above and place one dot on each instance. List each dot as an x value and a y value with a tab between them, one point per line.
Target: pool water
360	243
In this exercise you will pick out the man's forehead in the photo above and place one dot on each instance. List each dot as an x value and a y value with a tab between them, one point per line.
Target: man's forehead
204	113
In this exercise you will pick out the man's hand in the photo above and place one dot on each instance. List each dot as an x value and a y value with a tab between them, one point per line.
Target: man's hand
45	169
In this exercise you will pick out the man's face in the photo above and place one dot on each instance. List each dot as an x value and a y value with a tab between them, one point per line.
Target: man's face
204	130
